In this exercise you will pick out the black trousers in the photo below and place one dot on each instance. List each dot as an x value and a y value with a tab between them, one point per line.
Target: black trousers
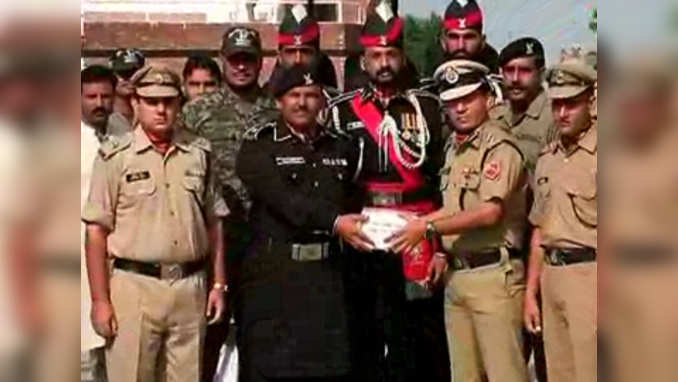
393	339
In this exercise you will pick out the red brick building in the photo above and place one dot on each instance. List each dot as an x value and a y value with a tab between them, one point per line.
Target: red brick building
166	30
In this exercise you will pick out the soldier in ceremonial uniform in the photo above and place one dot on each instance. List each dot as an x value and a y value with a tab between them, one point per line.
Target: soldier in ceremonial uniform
399	324
565	217
291	306
482	224
153	215
299	43
223	117
462	36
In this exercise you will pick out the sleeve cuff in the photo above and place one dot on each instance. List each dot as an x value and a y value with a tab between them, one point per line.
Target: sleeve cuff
93	214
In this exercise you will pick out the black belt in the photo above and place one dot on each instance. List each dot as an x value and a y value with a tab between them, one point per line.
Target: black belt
644	254
394	198
174	271
471	260
568	256
64	264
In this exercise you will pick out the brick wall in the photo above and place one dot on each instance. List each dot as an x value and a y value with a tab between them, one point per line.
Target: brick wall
167	37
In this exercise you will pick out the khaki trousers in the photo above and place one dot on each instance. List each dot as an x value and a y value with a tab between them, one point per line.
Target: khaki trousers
569	304
641	322
483	319
157	319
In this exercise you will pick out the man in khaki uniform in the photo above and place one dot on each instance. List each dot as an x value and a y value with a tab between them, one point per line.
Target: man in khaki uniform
639	245
565	235
527	113
153	212
482	225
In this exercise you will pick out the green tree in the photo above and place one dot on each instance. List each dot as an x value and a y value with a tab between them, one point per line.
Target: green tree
422	43
593	23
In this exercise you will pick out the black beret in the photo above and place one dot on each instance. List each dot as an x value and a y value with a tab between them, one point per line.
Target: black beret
523	47
284	79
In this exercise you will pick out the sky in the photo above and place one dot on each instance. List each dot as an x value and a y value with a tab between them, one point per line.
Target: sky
556	23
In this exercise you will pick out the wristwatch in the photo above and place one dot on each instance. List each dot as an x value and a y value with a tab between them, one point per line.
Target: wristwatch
431	231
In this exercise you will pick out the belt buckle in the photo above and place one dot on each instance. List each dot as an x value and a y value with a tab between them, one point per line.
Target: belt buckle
459	263
387	198
309	252
172	272
554	258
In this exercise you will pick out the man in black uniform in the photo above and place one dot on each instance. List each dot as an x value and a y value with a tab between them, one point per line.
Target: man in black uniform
400	328
290	306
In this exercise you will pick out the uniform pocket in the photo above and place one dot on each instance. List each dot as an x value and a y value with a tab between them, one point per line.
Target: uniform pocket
470	181
195	184
138	184
444	174
584	203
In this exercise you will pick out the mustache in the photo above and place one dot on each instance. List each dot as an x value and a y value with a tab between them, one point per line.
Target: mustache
99	110
386	71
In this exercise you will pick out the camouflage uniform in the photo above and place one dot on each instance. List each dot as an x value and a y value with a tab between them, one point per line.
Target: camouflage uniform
222	117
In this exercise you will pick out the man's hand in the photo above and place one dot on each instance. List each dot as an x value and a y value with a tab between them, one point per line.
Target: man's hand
408	237
531	314
216	306
103	319
436	271
349	228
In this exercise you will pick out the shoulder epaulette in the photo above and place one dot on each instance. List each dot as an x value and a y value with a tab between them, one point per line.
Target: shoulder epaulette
202	143
253	133
495	134
342	98
114	144
420	92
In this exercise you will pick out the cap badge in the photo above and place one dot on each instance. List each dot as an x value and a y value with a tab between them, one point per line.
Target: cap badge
529	48
560	77
451	76
241	36
299	12
159	78
384	11
462	23
383	40
307	79
297	40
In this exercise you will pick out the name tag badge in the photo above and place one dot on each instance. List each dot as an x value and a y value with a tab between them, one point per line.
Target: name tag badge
287	161
335	162
136	176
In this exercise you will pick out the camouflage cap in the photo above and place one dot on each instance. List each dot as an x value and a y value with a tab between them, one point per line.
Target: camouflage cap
156	82
127	60
575	73
241	40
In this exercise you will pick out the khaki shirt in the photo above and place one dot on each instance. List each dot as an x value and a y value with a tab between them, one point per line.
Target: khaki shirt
533	130
156	207
566	195
641	192
487	166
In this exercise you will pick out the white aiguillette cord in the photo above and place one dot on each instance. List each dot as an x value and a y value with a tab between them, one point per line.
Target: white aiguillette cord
388	126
